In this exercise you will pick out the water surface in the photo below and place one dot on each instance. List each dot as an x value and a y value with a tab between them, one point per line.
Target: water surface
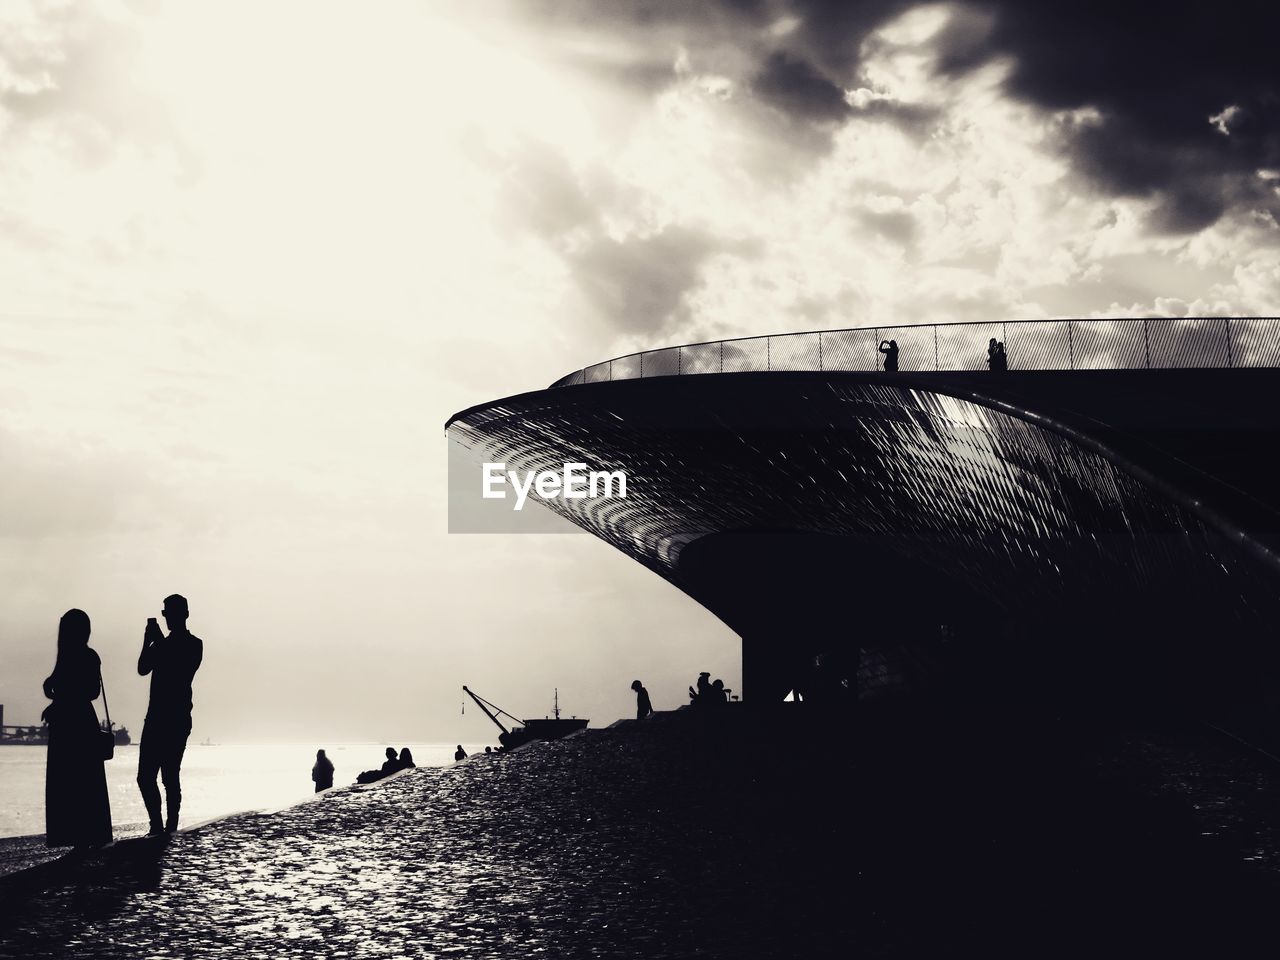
216	780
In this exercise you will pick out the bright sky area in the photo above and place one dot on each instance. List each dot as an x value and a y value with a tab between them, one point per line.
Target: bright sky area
252	256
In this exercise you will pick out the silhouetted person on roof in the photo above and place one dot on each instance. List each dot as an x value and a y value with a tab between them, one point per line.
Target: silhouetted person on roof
719	694
172	662
488	749
459	754
322	772
406	759
643	706
77	812
701	696
890	350
997	360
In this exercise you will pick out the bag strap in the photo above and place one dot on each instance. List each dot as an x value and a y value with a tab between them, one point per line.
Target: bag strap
105	706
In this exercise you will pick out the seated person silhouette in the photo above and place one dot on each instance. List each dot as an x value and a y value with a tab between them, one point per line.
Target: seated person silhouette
392	763
406	759
459	754
389	766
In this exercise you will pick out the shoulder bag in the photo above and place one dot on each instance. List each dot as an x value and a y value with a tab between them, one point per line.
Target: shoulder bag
106	736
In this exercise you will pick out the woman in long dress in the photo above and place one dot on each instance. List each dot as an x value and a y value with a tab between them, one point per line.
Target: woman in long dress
77	811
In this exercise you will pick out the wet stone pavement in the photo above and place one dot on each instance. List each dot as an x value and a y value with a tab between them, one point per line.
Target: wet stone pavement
671	841
727	836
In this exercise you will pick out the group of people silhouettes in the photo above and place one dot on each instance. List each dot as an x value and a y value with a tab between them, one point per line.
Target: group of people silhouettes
322	772
77	808
393	764
997	359
708	693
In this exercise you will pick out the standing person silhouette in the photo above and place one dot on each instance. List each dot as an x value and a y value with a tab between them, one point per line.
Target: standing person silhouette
997	359
77	811
643	706
172	662
322	772
890	350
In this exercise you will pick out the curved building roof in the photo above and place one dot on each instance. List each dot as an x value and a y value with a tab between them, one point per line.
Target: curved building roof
1080	527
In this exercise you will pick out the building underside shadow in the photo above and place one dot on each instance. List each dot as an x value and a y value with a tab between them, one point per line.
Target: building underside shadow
816	610
927	532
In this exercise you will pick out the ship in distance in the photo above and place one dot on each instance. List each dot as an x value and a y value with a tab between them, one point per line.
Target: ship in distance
11	735
548	728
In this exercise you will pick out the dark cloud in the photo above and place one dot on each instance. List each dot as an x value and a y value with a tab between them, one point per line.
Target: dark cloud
798	89
1152	75
647	36
910	118
1155	75
638	285
831	31
964	40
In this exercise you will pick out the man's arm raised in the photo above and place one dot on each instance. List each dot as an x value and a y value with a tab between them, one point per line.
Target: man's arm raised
144	658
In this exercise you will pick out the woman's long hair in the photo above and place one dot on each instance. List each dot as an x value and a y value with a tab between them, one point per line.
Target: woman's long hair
73	635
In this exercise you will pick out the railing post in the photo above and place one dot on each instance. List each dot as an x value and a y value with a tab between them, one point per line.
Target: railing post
768	353
722	356
1227	323
935	348
876	362
611	371
679	361
1146	341
820	367
1071	344
641	366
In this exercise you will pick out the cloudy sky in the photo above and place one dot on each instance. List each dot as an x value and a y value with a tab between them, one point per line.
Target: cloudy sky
252	255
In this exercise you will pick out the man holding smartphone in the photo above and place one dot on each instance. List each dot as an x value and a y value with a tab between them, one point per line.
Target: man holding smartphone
172	662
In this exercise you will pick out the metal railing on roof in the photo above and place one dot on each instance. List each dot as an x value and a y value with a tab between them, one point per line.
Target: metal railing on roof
1129	344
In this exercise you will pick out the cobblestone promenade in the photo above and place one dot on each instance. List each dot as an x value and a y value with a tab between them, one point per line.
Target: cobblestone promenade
679	838
608	844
